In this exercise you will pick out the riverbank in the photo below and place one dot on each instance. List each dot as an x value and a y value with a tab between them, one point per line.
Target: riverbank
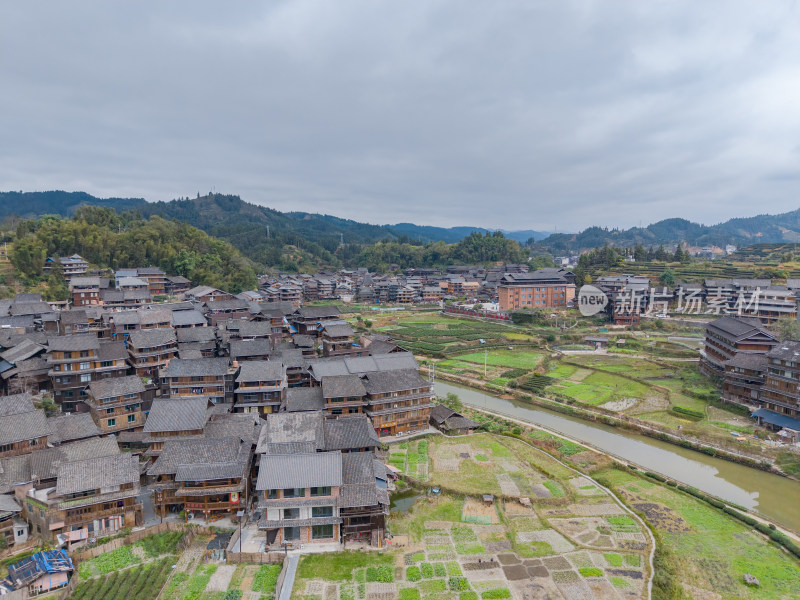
759	491
621	421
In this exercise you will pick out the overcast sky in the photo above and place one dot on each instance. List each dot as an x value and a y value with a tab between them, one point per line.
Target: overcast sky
522	115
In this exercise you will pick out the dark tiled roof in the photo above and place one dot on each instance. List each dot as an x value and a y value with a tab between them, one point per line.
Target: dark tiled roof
70	317
182	318
737	327
112	351
71	427
97	473
440	413
261	370
259	347
19	426
342	386
339	330
319	469
291	432
742	360
300	399
16	404
73	343
116	386
185	353
318	312
198	367
250	328
197	453
459	422
30	308
349	433
151	338
359	487
242	426
394	381
789	351
177	415
196	334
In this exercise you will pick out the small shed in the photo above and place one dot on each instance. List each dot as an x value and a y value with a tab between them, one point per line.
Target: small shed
41	572
449	421
488	499
597	341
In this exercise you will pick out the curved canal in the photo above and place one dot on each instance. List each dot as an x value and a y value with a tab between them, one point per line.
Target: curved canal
776	498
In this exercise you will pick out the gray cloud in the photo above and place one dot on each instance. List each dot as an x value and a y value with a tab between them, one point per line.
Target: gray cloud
504	114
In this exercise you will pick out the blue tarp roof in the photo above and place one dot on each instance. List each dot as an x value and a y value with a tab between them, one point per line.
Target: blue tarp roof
777	419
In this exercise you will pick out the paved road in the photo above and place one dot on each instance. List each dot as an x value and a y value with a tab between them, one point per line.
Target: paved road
288	581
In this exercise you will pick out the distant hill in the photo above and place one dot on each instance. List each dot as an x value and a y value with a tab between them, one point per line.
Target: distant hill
293	240
739	232
29	205
451	235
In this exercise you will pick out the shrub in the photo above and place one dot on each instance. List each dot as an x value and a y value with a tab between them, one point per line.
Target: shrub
233	595
688	412
655	476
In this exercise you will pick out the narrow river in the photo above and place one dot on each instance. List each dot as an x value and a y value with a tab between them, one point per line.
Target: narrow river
775	497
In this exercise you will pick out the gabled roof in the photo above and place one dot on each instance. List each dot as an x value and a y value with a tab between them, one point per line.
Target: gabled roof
116	386
196	334
182	318
359	485
97	473
440	413
342	386
261	370
258	347
381	382
190	455
299	399
198	367
338	330
291	432
71	427
318	312
73	343
188	414
349	433
739	327
284	471
152	338
20	420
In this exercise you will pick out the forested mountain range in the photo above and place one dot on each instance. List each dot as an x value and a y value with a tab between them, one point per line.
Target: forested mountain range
290	241
305	241
739	232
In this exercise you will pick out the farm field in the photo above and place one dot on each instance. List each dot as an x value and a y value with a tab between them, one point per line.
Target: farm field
708	552
573	541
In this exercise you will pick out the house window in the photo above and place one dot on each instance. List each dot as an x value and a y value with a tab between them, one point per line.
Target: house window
321	511
111	422
33	442
131	418
294	493
291	513
110	411
86	378
272	494
320	491
291	533
321	532
6	447
85	365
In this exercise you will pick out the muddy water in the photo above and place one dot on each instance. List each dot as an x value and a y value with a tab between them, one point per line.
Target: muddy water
777	498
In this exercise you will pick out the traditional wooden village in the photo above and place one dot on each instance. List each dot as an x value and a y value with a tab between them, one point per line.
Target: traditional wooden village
164	440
